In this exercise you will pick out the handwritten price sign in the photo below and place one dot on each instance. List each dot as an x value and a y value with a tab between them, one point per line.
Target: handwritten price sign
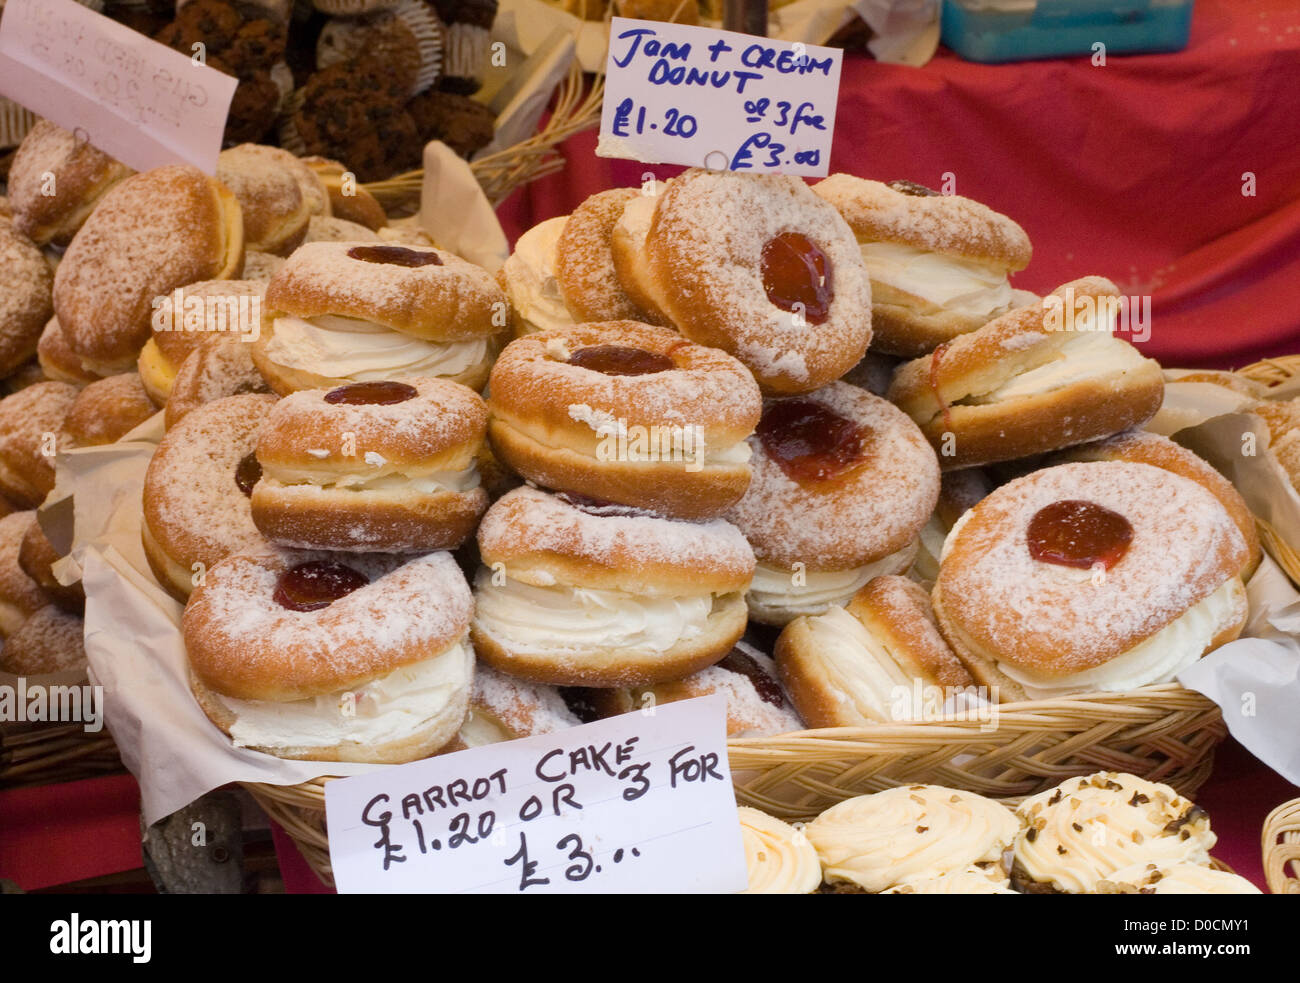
692	95
133	98
641	802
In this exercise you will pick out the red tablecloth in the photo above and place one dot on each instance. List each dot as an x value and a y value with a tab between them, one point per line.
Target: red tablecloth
1133	170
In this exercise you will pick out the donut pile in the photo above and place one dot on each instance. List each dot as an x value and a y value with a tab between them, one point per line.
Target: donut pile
1108	833
802	446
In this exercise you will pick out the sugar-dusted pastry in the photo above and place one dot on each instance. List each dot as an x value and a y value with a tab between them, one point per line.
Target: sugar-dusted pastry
576	593
584	266
30	421
348	199
105	411
1083	831
152	233
197	488
1095	576
386	466
26	282
58	361
331	228
306	655
274	209
778	856
1175	878
1141	447
340	312
50	640
860	665
761	267
938	263
1282	418
20	595
843	483
756	704
1038	379
55	182
218	368
36	557
627	413
874	842
506	708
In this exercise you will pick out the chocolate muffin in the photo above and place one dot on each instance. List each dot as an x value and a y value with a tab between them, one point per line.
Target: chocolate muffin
458	121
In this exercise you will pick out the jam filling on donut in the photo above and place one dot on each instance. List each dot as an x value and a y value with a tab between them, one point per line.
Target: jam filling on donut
1076	533
248	473
316	584
372	394
394	256
797	276
810	442
764	685
620	360
913	189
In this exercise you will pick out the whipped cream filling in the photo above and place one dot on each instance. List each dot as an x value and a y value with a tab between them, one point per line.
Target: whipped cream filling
386	709
1158	659
933	536
959	285
430	483
861	668
817	590
779	859
480	729
531	283
1086	354
348	348
561	618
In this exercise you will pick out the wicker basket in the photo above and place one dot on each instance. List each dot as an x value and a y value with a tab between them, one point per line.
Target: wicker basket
43	754
577	108
1281	845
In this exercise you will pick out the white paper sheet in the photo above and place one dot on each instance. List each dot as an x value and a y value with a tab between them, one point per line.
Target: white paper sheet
455	211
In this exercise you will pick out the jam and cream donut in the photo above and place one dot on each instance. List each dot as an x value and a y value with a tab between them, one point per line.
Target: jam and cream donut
303	655
506	708
1038	379
938	263
1174	878
105	411
188	317
759	266
1139	447
843	483
861	665
756	704
20	595
383	467
30	421
628	413
1086	829
50	640
56	181
274	208
57	360
197	488
531	285
584	260
340	312
26	282
218	368
150	234
1099	576
779	858
575	593
875	842
36	556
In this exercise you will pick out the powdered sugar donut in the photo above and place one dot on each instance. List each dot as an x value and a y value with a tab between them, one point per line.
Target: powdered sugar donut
105	411
25	305
579	595
30	421
302	655
1106	575
843	483
51	640
372	467
584	260
340	312
57	360
36	557
152	233
274	208
628	413
759	266
218	368
506	708
20	595
196	491
757	706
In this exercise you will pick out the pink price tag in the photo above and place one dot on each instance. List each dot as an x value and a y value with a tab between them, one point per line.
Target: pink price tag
130	96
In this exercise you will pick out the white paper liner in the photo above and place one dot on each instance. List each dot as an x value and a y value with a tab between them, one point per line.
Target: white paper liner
455	212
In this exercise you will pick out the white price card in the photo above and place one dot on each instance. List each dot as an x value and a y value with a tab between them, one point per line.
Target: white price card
707	98
637	803
133	98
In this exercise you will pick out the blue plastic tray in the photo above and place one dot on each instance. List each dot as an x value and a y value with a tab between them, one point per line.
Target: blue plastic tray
1058	28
